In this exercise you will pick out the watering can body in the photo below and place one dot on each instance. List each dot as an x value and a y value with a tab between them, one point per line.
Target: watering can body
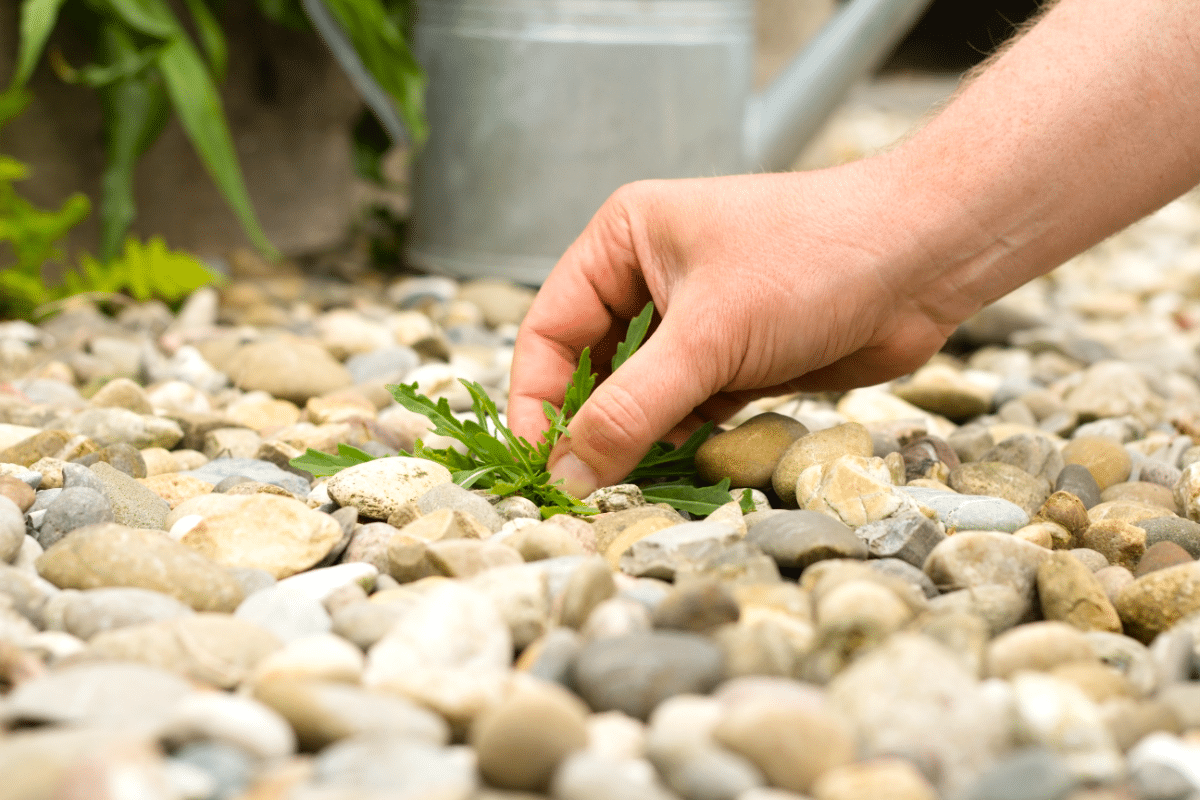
539	109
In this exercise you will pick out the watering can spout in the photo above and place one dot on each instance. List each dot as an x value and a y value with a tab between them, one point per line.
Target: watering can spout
783	117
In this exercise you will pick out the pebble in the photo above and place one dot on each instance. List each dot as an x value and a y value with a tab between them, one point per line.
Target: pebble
1032	453
108	426
116	555
1070	592
521	741
1057	715
914	699
288	613
1105	458
997	479
450	651
698	606
321	713
793	740
18	491
243	722
71	508
1076	479
1160	556
1038	646
396	765
814	448
215	649
1154	602
1031	773
749	453
881	777
277	534
855	489
977	558
796	539
454	497
126	696
636	672
1183	532
1121	543
87	613
132	503
286	367
317	657
967	512
660	554
377	488
909	537
219	469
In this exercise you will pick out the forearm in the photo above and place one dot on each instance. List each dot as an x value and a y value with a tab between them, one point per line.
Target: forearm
1084	125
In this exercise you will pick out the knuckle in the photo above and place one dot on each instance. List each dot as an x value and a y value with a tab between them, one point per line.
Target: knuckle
618	422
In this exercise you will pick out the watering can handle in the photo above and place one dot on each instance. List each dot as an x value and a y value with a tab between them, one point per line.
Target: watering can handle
364	82
782	118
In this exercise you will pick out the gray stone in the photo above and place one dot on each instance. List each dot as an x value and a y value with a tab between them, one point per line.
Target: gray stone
635	673
796	539
739	563
661	553
1034	773
230	768
1181	531
398	767
1076	479
111	695
107	426
87	613
77	476
288	613
325	712
552	657
27	592
133	503
456	498
255	469
387	364
915	699
907	572
967	512
1001	607
71	509
998	479
1029	452
909	537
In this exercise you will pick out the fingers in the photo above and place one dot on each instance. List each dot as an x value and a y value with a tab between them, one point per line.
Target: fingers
595	288
639	404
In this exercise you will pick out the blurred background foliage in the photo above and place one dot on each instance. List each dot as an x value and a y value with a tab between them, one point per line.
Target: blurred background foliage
149	60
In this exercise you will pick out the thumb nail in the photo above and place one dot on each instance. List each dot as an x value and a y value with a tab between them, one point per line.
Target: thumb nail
578	478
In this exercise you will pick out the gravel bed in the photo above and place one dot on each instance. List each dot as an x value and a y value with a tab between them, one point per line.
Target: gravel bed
978	581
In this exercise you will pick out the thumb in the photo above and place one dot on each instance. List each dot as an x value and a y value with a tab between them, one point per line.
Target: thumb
633	408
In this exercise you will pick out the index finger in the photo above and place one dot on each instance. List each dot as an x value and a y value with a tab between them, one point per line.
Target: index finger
595	285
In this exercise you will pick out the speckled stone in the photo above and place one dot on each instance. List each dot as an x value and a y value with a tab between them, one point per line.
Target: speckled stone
132	503
1156	601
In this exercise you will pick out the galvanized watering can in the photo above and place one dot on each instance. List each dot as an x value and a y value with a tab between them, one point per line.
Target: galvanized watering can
539	109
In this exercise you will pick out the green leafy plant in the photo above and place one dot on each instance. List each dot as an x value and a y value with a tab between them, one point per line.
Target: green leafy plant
505	464
32	236
147	65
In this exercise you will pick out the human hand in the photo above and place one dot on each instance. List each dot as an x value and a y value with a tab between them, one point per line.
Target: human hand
765	284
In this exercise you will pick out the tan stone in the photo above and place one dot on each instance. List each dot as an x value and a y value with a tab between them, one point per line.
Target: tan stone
176	488
634	533
444	524
818	447
1120	542
1105	458
853	489
1071	593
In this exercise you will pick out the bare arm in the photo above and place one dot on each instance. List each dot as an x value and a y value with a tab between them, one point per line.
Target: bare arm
854	275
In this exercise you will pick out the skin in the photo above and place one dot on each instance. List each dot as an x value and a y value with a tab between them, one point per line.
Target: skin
850	276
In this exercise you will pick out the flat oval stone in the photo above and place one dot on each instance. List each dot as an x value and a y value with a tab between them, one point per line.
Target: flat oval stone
94	611
635	673
970	512
378	488
796	539
278	534
114	555
1076	479
998	479
748	454
521	742
1178	530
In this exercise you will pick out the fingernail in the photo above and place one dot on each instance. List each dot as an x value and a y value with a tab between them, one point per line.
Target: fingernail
577	477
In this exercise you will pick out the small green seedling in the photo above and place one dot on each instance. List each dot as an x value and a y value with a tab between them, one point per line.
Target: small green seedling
505	464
